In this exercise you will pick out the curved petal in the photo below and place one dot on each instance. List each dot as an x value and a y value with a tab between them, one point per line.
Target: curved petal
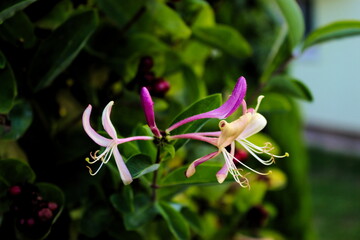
222	173
191	169
108	126
123	170
225	110
100	140
255	125
148	106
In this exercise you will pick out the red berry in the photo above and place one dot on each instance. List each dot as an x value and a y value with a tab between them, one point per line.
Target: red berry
30	222
241	154
160	87
52	206
45	214
15	190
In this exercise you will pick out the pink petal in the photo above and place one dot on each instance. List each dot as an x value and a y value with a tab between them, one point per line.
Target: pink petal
224	110
148	106
222	174
100	140
123	170
191	169
108	126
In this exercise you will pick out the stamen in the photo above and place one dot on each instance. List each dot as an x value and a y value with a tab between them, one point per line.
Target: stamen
94	173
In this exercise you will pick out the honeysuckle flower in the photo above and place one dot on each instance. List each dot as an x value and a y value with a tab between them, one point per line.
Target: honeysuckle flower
224	110
148	106
250	123
110	144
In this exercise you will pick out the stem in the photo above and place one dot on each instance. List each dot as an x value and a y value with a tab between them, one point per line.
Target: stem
154	186
134	19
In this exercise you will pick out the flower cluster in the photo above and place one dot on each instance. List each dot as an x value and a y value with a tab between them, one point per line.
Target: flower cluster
238	131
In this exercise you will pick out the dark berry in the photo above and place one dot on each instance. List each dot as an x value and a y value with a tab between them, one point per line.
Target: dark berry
146	63
257	216
15	190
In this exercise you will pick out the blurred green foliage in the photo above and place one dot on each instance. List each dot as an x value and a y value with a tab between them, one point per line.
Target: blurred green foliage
56	57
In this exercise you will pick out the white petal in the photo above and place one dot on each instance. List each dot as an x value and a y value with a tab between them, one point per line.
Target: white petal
124	171
108	126
255	125
100	140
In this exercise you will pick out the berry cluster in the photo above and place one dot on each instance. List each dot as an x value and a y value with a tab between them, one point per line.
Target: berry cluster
32	213
157	86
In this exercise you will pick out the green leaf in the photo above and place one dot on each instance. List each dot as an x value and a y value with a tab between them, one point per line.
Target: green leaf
73	34
294	19
278	54
205	174
9	7
8	89
195	87
175	221
224	38
144	212
275	103
141	164
146	147
123	202
57	16
332	31
121	12
168	20
167	152
95	220
20	119
193	219
14	172
289	86
245	199
204	105
19	31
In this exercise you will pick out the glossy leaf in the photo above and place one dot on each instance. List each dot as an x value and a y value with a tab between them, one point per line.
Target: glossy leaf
9	7
332	31
146	147
193	219
168	20
224	38
8	89
203	105
57	16
19	31
14	172
141	164
121	12
74	34
20	118
144	212
96	219
124	201
175	221
294	19
289	86
205	174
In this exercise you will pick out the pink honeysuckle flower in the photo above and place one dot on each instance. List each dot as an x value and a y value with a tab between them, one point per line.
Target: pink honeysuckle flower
224	110
250	123
110	144
148	106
